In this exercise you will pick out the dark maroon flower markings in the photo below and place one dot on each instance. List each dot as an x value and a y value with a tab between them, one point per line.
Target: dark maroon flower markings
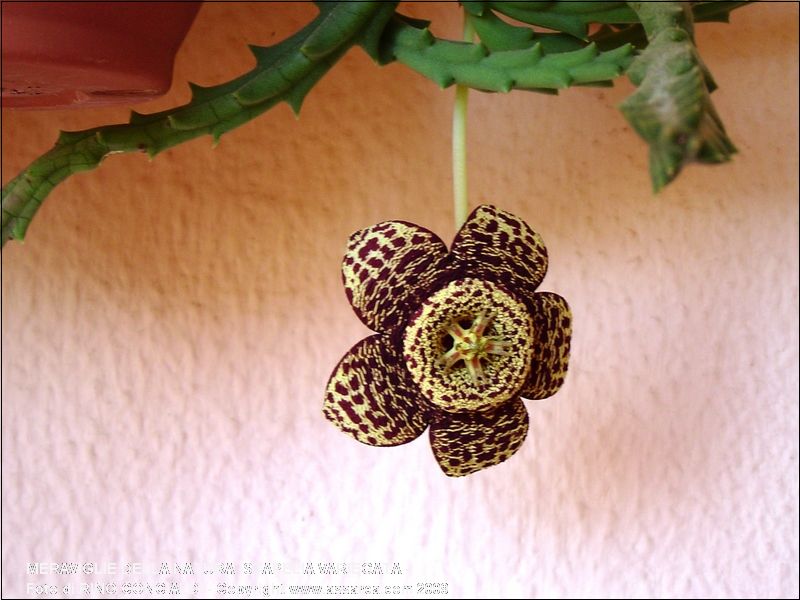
463	336
497	246
468	442
370	396
552	324
387	268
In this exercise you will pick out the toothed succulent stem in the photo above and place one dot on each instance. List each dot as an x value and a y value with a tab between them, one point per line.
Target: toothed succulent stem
285	72
507	57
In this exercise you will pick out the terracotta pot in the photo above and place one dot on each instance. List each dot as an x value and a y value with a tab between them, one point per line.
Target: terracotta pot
73	54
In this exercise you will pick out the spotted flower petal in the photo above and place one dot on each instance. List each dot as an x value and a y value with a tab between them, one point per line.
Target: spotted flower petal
388	269
494	244
467	442
552	326
370	395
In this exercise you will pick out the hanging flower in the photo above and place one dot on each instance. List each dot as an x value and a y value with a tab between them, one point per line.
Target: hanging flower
463	337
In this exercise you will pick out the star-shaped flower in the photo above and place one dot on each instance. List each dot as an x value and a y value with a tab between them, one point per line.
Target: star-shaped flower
463	337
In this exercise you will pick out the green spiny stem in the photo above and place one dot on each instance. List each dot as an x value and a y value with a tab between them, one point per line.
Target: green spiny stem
570	17
672	109
499	35
610	37
507	58
283	73
472	65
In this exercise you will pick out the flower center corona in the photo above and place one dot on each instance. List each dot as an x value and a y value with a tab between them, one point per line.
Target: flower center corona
470	345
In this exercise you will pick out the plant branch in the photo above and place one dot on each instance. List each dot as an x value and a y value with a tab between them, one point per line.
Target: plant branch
684	129
672	109
283	73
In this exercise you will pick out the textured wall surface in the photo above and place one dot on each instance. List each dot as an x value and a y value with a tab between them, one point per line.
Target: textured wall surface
169	327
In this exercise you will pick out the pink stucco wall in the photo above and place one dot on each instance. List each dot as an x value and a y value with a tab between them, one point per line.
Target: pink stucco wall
169	327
